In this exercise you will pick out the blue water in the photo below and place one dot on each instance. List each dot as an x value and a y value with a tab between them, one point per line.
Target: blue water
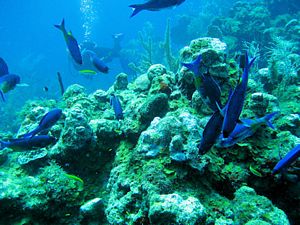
36	51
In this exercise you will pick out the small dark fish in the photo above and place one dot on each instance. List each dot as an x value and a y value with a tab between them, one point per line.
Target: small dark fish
210	91
291	157
116	104
48	120
236	101
45	89
27	143
3	67
154	5
245	129
7	83
211	132
61	84
97	62
71	43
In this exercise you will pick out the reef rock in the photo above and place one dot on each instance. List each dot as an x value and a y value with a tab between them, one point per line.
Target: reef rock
142	83
263	103
248	205
76	135
42	195
74	94
172	209
178	133
107	133
31	156
121	82
213	53
290	122
155	71
100	98
156	105
199	105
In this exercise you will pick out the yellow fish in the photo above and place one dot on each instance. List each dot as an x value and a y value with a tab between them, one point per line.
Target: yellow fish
87	72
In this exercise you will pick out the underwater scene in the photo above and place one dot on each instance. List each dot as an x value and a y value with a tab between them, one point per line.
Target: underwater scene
150	112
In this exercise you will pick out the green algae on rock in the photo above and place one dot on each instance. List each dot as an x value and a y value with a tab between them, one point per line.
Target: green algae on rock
146	168
156	105
248	205
121	82
173	209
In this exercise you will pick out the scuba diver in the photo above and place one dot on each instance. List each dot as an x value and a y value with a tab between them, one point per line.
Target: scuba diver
95	58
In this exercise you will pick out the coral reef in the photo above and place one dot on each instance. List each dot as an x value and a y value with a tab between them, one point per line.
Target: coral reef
173	209
146	168
47	196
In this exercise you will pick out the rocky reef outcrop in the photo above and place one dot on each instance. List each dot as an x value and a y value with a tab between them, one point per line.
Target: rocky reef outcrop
146	168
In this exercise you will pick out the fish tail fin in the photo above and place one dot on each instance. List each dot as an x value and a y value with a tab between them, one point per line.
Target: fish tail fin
61	26
2	145
136	9
2	95
194	65
249	61
268	119
219	108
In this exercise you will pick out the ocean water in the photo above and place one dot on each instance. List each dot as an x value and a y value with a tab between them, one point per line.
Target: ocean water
36	51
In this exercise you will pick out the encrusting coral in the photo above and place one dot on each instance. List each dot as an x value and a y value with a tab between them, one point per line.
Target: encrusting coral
145	168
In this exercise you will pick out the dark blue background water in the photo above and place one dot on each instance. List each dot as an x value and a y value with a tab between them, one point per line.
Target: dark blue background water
35	50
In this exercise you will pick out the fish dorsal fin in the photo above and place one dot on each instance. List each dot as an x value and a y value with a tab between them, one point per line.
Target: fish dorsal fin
244	122
112	96
3	67
42	120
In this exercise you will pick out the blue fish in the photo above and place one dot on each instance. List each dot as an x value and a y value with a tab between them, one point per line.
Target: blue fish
194	66
3	67
210	91
116	104
97	62
7	83
245	129
205	84
48	120
291	157
40	141
71	43
211	132
236	101
154	5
